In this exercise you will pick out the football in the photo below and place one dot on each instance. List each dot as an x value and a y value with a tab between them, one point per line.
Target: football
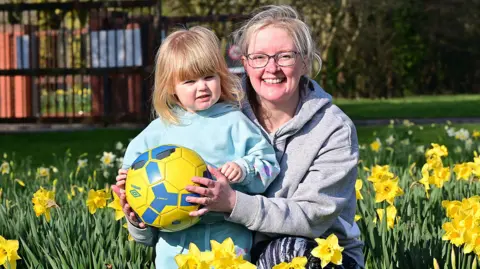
155	186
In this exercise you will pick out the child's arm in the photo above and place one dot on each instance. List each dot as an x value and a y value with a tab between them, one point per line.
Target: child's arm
259	165
147	236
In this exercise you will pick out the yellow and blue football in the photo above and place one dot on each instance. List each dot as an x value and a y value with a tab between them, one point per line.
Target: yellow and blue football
155	186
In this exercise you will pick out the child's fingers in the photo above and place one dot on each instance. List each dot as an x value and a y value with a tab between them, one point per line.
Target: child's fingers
224	168
121	177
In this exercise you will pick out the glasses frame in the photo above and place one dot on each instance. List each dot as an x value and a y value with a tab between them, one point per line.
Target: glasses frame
275	59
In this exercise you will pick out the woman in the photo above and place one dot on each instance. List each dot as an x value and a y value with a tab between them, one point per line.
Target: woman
315	143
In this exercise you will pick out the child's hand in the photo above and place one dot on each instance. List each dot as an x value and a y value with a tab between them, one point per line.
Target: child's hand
231	171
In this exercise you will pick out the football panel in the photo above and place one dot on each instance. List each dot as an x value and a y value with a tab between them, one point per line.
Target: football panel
150	217
176	220
136	189
164	197
140	211
140	161
154	171
179	173
166	153
192	157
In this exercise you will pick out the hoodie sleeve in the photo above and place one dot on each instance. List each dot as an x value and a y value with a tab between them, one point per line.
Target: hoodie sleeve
147	236
259	164
317	201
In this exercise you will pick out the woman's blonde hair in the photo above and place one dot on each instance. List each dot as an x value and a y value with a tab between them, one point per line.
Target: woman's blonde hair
286	18
190	54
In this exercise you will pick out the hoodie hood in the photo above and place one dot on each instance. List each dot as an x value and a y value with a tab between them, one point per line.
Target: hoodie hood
312	99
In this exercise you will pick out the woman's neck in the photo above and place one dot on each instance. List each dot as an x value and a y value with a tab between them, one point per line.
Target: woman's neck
273	115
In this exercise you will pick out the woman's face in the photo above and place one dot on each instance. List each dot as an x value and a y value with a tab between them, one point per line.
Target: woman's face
274	83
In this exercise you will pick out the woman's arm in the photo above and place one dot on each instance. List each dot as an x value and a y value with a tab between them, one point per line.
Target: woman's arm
314	206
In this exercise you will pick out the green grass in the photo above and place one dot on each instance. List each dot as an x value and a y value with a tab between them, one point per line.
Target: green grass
45	148
412	107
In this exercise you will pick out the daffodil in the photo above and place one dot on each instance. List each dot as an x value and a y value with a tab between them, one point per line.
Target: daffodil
43	172
96	199
391	215
107	159
358	187
115	204
328	250
194	259
387	190
476	134
81	163
20	182
43	201
296	263
225	257
376	145
453	233
357	218
8	252
5	168
463	171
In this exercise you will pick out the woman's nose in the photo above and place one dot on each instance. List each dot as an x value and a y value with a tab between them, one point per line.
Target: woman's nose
271	66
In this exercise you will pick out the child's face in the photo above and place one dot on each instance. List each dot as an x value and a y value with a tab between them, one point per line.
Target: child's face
198	94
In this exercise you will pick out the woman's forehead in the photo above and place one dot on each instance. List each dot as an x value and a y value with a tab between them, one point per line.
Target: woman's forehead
270	40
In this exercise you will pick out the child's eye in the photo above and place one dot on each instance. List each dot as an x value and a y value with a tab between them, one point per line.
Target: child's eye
188	81
209	77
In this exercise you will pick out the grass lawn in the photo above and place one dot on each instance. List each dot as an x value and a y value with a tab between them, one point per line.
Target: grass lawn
445	106
44	148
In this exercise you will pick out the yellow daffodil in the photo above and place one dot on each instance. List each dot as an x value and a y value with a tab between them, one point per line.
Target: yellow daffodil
391	215
358	187
380	173
225	257
5	168
472	240
376	145
357	218
43	200
436	150
453	233
115	204
96	199
328	250
463	171
8	253
194	259
296	263
387	190
1	192
476	134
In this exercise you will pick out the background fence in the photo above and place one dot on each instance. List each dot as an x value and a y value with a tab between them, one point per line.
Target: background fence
85	61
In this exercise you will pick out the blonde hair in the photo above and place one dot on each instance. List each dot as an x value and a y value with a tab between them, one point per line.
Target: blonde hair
190	54
286	18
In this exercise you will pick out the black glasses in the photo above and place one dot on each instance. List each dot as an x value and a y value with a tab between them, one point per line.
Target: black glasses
260	60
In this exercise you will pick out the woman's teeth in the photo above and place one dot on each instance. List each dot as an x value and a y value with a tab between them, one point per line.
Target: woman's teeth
273	80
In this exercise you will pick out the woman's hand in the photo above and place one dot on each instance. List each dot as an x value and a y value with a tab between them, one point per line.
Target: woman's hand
119	189
217	196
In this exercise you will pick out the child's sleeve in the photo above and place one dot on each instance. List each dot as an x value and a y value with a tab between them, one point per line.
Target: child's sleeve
259	164
147	236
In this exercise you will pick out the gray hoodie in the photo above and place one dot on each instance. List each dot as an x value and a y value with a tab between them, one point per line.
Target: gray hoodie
314	194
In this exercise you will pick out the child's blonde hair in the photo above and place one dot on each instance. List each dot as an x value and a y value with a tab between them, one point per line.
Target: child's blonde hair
190	54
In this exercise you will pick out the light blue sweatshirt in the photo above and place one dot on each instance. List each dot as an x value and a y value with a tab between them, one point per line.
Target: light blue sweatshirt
219	134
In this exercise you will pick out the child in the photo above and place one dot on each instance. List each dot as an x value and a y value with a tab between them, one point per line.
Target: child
197	100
